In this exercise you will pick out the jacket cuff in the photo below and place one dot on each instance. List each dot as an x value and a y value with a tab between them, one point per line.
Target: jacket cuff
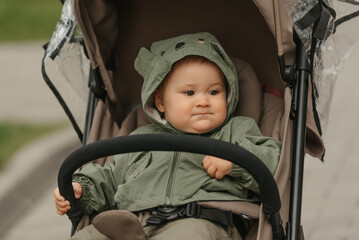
242	177
237	171
86	200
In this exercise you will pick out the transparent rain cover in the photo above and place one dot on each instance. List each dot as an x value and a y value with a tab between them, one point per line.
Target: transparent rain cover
332	54
64	30
67	65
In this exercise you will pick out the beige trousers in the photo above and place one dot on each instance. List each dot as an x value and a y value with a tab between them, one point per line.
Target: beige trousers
187	228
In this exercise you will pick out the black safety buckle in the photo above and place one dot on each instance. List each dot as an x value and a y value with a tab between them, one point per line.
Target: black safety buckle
193	210
163	214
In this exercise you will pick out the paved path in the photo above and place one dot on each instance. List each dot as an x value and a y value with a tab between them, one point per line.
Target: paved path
24	96
41	221
331	198
23	92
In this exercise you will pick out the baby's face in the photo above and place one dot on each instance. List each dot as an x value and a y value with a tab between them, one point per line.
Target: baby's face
193	99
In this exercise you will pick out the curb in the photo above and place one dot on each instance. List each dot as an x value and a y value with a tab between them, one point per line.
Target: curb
30	173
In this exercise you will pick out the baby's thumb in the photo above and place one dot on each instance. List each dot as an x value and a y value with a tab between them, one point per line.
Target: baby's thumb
77	190
77	195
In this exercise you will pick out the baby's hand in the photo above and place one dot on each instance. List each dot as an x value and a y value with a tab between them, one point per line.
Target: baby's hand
62	205
217	167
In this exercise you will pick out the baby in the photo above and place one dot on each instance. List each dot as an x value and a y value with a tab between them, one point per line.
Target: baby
190	87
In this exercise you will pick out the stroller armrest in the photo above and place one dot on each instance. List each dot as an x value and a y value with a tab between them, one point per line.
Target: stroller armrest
167	142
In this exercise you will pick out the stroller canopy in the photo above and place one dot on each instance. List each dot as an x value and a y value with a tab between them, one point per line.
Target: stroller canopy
257	31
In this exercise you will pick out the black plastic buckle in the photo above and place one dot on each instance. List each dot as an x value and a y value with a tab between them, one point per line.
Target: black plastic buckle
165	214
193	210
155	220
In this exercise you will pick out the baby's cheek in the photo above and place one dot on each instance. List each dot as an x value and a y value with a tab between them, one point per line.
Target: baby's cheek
183	110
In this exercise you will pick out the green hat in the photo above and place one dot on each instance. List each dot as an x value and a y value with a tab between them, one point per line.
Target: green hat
155	64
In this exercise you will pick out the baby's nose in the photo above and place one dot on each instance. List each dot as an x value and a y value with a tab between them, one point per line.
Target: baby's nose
202	101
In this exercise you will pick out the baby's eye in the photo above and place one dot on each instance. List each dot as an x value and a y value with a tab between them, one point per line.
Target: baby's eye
213	92
189	93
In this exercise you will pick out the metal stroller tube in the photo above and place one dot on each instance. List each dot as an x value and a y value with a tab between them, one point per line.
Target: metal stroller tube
167	142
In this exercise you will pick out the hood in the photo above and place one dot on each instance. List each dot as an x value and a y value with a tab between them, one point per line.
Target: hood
156	63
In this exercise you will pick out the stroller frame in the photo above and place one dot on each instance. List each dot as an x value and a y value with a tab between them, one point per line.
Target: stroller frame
297	77
294	228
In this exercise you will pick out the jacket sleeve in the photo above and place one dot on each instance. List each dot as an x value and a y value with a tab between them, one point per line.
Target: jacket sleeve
247	135
100	183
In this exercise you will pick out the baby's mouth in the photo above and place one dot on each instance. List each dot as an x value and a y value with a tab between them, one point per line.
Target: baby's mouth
202	114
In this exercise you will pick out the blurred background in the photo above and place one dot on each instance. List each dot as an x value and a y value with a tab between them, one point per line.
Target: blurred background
24	27
35	137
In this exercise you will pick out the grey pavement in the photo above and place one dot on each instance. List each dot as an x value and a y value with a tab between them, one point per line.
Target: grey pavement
330	198
26	185
23	92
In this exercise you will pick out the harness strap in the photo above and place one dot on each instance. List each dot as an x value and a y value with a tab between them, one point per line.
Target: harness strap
319	15
164	214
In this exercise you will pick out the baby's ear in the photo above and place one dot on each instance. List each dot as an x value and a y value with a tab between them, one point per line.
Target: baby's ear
143	61
159	101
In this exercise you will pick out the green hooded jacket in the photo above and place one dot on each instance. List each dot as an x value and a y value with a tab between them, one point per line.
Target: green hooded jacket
143	180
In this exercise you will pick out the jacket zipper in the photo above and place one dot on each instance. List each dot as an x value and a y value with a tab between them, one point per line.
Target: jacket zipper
170	180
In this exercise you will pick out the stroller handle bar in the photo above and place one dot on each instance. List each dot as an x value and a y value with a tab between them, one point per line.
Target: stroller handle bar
167	142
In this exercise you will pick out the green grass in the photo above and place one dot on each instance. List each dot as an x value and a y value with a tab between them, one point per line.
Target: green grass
14	135
22	20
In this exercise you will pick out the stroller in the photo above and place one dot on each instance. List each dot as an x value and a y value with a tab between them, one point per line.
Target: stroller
275	61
